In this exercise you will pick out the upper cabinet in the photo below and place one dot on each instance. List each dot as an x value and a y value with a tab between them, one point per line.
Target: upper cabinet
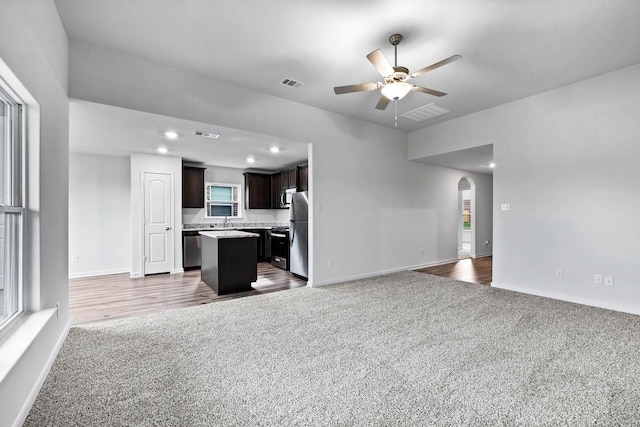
276	190
192	187
303	178
257	191
288	179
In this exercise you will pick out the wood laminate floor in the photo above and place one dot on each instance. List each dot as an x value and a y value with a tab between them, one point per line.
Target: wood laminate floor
117	295
474	270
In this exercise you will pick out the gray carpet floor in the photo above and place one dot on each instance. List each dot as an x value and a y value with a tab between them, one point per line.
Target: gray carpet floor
400	349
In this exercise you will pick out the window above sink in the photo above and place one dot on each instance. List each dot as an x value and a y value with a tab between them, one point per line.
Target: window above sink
223	200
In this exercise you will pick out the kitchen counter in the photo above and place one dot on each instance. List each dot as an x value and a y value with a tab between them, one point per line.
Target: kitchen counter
233	226
229	260
228	234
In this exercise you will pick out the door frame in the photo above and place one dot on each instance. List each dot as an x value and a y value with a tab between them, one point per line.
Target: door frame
171	219
472	190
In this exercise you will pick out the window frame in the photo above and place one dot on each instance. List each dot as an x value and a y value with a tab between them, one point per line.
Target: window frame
13	199
207	201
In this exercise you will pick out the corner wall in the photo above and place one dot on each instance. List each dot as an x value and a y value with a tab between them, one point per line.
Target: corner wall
566	162
33	46
99	215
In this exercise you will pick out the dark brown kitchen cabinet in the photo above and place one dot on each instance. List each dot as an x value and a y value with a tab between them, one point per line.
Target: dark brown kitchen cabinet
257	190
275	191
262	242
284	180
303	178
192	187
293	178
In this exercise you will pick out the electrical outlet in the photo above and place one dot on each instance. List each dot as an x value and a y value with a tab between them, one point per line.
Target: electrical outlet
559	273
75	259
331	263
608	281
505	207
597	279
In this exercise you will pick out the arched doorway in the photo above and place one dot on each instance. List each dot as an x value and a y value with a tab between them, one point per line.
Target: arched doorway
466	218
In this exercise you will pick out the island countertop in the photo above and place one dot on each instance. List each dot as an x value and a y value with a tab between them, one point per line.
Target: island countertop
228	234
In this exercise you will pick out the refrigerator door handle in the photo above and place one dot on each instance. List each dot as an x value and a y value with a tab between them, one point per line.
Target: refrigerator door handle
293	233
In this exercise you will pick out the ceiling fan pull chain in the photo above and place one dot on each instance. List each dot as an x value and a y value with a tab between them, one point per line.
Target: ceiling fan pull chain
396	120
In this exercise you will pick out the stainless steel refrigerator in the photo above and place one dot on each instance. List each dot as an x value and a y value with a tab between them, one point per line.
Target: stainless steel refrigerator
299	234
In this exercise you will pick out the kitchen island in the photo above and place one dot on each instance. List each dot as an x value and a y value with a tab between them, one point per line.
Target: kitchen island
229	260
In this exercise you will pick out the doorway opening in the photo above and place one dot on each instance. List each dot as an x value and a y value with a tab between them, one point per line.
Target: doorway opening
466	217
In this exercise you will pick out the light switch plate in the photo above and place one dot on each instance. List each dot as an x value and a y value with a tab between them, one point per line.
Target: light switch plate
608	281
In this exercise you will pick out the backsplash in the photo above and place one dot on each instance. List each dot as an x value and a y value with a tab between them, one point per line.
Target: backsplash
253	217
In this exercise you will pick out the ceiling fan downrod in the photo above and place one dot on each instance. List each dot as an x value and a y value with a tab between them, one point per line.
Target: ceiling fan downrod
395	40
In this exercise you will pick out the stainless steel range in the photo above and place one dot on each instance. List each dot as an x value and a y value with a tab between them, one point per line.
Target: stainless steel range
280	247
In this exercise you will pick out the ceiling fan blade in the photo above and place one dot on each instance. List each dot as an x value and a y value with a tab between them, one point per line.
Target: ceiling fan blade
355	88
427	90
382	104
436	65
381	63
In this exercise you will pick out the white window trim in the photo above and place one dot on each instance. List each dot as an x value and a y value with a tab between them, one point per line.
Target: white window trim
223	184
17	193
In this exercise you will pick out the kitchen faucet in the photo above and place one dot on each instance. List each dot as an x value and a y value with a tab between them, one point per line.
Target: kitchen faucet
224	224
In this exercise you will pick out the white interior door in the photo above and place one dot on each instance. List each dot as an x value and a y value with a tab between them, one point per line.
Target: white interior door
158	253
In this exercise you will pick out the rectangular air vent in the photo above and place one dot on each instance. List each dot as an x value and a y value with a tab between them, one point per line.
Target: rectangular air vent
291	83
206	134
425	112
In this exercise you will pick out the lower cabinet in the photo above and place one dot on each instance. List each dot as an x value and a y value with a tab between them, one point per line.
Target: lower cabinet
261	243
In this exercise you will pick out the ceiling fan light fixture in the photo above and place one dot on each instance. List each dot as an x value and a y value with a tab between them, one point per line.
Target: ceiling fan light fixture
396	91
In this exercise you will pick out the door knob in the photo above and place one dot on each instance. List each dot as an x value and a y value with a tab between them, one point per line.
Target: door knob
168	228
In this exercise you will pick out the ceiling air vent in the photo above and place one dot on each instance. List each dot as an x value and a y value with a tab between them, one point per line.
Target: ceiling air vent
425	112
291	83
206	134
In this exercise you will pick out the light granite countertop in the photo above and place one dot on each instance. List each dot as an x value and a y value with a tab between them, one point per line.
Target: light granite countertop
228	234
232	226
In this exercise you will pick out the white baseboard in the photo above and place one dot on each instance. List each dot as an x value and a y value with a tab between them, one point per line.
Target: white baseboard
482	255
177	270
378	273
568	298
97	273
24	412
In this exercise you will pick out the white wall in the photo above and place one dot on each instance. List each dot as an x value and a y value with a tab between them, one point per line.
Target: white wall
228	176
141	163
566	161
33	49
99	214
373	210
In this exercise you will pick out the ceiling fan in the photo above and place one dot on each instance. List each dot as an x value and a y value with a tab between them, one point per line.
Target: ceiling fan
394	85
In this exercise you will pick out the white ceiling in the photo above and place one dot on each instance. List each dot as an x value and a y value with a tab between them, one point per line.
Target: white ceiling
112	131
511	48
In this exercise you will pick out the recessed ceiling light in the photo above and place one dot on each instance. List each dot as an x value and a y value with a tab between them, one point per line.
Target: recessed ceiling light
162	150
274	149
171	134
492	165
251	160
